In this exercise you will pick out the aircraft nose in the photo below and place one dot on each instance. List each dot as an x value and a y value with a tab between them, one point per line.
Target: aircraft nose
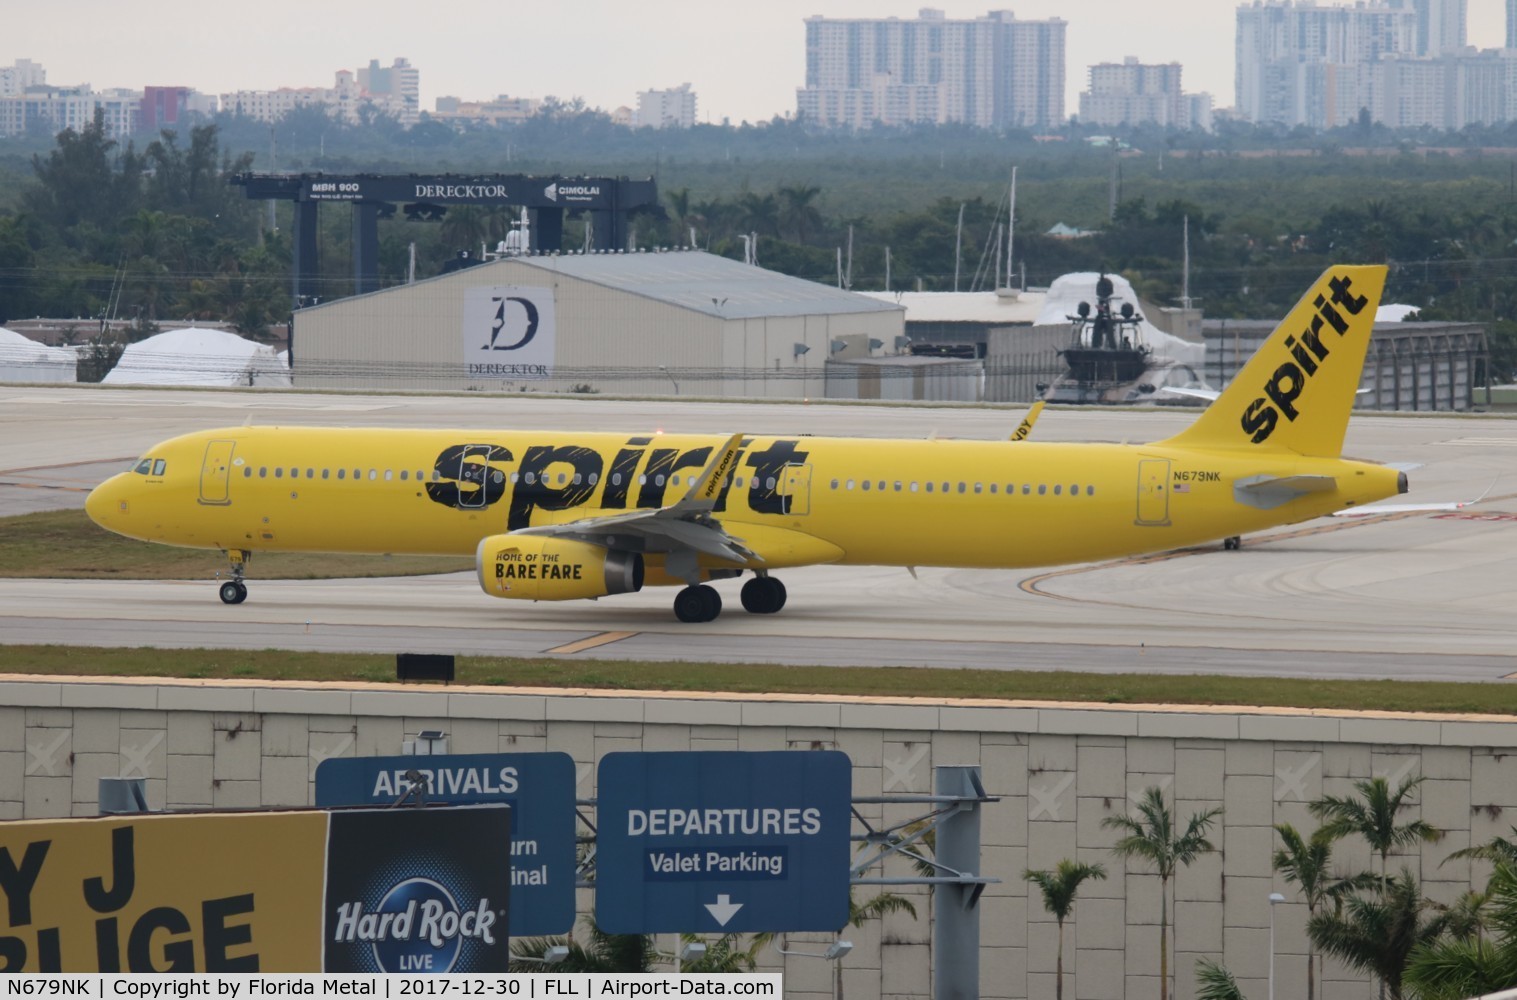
105	503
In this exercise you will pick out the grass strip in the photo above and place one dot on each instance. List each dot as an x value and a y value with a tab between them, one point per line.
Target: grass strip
915	682
66	544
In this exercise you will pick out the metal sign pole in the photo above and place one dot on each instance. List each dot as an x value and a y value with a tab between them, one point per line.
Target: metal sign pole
956	910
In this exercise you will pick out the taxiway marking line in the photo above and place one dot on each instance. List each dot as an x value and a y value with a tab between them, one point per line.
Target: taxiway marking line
67	465
591	642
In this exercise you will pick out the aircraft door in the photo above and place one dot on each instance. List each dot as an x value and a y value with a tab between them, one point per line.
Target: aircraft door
216	474
1153	492
795	487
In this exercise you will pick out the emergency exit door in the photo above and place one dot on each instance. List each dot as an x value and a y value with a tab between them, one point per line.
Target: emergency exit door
1153	492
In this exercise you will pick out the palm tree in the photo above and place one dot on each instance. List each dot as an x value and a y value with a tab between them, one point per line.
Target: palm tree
1373	816
1305	863
1378	933
465	227
1466	964
1495	849
601	952
1214	982
723	954
1059	887
797	210
1152	838
873	908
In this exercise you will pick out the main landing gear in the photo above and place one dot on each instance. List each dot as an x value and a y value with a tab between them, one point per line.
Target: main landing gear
234	591
699	603
762	595
1233	542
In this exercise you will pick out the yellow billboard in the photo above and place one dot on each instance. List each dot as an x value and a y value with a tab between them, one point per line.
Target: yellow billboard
362	890
192	893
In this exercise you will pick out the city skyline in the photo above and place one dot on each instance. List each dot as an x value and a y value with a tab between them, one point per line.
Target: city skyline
608	51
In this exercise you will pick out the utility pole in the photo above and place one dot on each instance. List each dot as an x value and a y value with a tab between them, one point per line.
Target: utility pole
958	247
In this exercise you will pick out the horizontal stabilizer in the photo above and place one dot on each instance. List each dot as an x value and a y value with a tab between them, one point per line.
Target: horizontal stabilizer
1269	492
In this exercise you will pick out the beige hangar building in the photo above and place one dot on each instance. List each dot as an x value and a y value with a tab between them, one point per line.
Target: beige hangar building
679	322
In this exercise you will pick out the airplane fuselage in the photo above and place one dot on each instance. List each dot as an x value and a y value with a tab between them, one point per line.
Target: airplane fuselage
797	499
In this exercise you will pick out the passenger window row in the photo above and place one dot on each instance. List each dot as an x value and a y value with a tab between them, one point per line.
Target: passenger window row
530	478
358	474
1011	489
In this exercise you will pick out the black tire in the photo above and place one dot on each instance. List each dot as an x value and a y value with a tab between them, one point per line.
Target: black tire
763	595
699	603
712	602
233	592
242	591
690	606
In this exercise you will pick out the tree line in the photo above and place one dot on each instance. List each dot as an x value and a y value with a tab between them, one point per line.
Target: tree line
96	228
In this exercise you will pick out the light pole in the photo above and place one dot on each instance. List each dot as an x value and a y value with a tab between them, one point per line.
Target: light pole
1274	898
665	370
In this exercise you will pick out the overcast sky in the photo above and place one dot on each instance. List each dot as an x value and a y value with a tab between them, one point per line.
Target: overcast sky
744	60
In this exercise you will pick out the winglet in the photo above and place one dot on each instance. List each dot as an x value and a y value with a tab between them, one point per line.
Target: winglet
1296	392
707	488
1025	427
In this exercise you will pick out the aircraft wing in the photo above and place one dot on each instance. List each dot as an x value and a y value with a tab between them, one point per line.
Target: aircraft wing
685	525
1207	394
1210	395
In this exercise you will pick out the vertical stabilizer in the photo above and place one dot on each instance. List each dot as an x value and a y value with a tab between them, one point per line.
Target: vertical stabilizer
1296	392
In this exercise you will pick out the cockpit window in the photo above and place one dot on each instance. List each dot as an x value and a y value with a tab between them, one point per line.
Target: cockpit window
144	467
158	467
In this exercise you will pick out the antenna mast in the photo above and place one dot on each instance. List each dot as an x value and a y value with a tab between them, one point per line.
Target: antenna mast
1011	222
1185	274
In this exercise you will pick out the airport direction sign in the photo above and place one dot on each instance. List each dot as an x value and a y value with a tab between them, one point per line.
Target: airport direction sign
722	842
540	788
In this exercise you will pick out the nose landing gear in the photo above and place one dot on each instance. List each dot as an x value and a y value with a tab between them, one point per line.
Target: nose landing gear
234	591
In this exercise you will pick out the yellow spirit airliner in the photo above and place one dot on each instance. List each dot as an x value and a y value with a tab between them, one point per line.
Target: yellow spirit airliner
554	516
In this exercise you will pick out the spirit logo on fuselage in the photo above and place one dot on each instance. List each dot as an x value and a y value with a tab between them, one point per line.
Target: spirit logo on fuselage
469	479
1309	352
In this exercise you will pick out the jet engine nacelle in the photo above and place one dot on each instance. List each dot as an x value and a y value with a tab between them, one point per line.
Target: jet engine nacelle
539	568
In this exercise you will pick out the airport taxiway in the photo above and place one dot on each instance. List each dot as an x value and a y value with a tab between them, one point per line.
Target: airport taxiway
1406	596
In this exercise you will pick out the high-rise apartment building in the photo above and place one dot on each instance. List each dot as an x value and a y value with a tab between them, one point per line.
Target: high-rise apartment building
1134	93
673	108
1440	25
396	87
1301	64
994	71
1511	24
344	100
15	79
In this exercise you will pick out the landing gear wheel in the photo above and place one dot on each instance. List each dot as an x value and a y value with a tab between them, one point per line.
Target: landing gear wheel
699	603
233	592
763	595
1230	544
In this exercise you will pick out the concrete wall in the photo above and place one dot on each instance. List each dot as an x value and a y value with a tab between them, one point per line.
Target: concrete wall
1060	771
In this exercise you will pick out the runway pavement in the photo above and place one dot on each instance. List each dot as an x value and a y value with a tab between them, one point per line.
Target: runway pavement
1410	596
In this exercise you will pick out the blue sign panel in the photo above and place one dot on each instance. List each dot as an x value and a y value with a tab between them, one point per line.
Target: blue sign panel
540	790
722	842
